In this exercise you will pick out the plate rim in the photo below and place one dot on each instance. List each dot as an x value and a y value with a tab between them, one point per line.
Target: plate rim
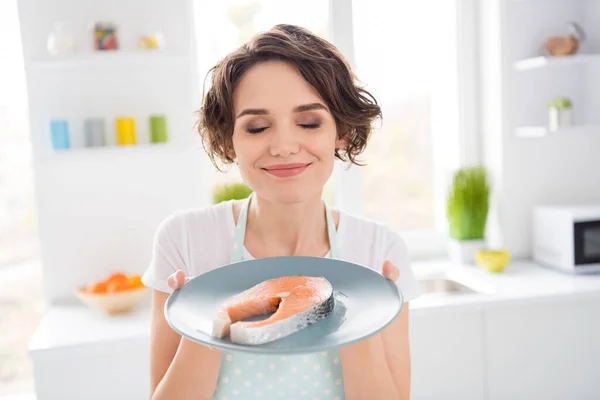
251	349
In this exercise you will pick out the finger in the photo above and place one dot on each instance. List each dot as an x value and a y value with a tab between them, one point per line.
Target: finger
176	280
390	271
171	281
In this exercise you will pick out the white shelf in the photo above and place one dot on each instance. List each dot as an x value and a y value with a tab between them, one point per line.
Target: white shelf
109	59
541	131
542	62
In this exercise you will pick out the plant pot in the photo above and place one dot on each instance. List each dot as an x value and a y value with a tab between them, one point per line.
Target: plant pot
560	118
463	251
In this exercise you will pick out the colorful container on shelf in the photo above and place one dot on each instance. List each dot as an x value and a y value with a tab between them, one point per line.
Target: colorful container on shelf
125	128
59	134
158	129
95	135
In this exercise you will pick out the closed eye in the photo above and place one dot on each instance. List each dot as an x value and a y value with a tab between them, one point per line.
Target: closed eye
256	130
310	126
305	126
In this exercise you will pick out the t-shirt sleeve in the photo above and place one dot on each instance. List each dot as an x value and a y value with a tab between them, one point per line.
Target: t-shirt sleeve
397	253
166	257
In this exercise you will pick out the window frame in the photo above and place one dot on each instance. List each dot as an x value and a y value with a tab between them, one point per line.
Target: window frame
348	185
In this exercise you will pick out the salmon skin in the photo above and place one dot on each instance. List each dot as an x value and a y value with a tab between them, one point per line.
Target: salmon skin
296	301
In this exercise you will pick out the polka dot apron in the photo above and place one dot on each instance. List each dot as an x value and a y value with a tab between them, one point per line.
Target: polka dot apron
252	376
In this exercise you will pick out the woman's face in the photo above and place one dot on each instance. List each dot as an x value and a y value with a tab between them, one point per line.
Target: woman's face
284	136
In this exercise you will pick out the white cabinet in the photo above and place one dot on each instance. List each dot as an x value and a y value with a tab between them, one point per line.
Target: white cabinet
79	353
530	349
117	370
538	349
446	354
544	350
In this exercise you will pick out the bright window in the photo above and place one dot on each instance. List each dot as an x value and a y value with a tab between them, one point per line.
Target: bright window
407	55
21	302
18	227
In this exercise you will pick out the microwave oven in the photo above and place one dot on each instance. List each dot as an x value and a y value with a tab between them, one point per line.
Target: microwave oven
567	238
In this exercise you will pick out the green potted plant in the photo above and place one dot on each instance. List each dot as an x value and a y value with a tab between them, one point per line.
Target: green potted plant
230	191
467	212
560	113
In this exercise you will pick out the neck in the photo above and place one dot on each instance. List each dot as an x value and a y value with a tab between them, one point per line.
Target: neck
276	229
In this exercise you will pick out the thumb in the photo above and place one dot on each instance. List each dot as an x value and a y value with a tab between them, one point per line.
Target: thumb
177	280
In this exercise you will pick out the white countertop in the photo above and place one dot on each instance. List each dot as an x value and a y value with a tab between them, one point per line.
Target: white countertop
522	281
78	325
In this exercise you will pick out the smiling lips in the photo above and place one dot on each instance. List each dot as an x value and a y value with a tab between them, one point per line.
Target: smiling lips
286	170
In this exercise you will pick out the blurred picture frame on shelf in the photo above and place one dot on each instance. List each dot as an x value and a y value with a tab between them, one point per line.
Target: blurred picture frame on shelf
105	36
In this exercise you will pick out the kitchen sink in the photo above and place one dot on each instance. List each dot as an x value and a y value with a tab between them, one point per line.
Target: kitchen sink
444	286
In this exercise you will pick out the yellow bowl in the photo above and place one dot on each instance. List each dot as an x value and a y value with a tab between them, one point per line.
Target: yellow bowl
113	303
493	260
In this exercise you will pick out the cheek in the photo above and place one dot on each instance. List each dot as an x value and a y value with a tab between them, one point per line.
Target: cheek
324	144
247	150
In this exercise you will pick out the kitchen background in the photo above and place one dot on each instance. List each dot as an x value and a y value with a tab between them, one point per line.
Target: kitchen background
97	147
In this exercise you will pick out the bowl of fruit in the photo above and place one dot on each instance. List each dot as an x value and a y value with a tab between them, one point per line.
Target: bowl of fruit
118	293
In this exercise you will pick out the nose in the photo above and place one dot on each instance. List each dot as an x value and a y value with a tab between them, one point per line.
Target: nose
284	142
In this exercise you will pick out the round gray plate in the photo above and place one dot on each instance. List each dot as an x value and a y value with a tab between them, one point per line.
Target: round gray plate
365	303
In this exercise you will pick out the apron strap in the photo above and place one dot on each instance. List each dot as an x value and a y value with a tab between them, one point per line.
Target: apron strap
334	251
240	232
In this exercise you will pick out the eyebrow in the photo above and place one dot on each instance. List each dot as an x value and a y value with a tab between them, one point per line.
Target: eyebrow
301	108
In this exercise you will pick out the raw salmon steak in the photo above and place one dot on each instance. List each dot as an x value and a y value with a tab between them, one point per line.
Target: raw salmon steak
295	301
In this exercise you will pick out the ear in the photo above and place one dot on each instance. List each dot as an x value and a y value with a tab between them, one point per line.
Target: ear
230	153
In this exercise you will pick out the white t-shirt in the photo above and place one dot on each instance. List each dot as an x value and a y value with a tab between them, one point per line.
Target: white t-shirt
199	240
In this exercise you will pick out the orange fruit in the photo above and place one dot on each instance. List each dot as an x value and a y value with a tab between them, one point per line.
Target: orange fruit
116	285
97	288
117	276
135	281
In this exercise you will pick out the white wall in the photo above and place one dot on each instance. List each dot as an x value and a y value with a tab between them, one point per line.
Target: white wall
561	168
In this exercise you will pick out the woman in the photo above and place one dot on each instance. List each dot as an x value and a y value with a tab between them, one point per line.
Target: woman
282	107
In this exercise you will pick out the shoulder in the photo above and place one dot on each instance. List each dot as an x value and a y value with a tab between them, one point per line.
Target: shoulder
194	240
195	221
358	229
214	214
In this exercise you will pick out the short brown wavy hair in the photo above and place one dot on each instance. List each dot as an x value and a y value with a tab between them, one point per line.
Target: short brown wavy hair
320	63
